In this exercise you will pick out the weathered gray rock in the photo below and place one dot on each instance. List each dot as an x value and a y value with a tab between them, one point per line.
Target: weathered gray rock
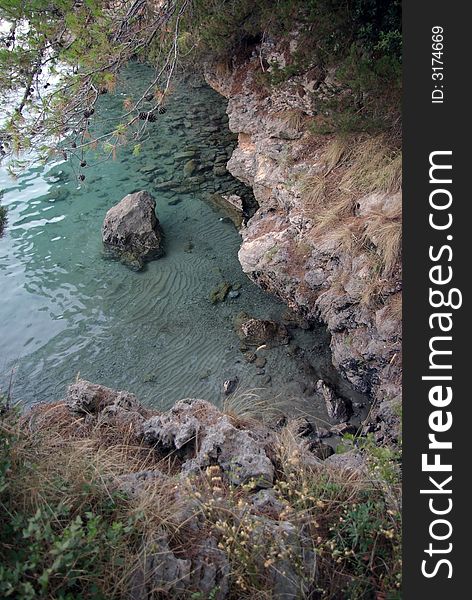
239	452
134	484
84	398
210	570
337	408
131	230
347	461
267	502
291	556
162	570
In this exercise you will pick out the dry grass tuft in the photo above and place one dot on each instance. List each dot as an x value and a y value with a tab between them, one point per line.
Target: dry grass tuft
246	407
336	153
353	168
294	119
373	167
385	232
67	488
314	191
395	306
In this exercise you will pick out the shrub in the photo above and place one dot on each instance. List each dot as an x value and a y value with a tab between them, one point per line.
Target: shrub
361	38
58	538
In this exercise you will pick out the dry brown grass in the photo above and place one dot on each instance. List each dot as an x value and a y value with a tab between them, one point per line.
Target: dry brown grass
395	306
322	500
247	408
374	167
294	119
56	460
385	232
313	189
351	168
337	152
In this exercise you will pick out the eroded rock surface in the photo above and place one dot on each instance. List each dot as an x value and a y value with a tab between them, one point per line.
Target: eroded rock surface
195	454
337	408
282	250
207	437
131	230
85	398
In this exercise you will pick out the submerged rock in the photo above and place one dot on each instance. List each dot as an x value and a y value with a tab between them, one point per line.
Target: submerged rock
230	385
230	205
131	230
219	293
257	332
190	167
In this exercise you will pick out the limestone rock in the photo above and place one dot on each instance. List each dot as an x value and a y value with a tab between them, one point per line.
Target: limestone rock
84	398
292	557
347	461
162	570
190	167
240	453
266	502
210	570
134	484
314	274
219	293
337	408
131	230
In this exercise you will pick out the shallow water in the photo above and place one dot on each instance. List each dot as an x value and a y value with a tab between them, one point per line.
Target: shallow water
66	310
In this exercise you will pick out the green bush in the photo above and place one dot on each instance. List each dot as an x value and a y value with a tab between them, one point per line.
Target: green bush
60	545
360	38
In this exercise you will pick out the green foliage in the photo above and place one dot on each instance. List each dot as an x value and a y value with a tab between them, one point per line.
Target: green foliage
49	552
3	218
70	52
360	38
355	518
384	462
366	543
329	28
55	548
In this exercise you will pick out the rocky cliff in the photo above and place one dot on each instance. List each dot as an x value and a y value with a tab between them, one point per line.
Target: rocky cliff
326	237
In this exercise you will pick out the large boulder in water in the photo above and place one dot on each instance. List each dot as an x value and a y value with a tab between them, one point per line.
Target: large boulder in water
131	230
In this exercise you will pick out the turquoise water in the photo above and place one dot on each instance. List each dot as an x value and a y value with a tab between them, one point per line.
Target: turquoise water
66	310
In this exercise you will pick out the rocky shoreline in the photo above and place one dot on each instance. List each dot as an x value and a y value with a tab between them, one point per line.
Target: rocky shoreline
281	250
